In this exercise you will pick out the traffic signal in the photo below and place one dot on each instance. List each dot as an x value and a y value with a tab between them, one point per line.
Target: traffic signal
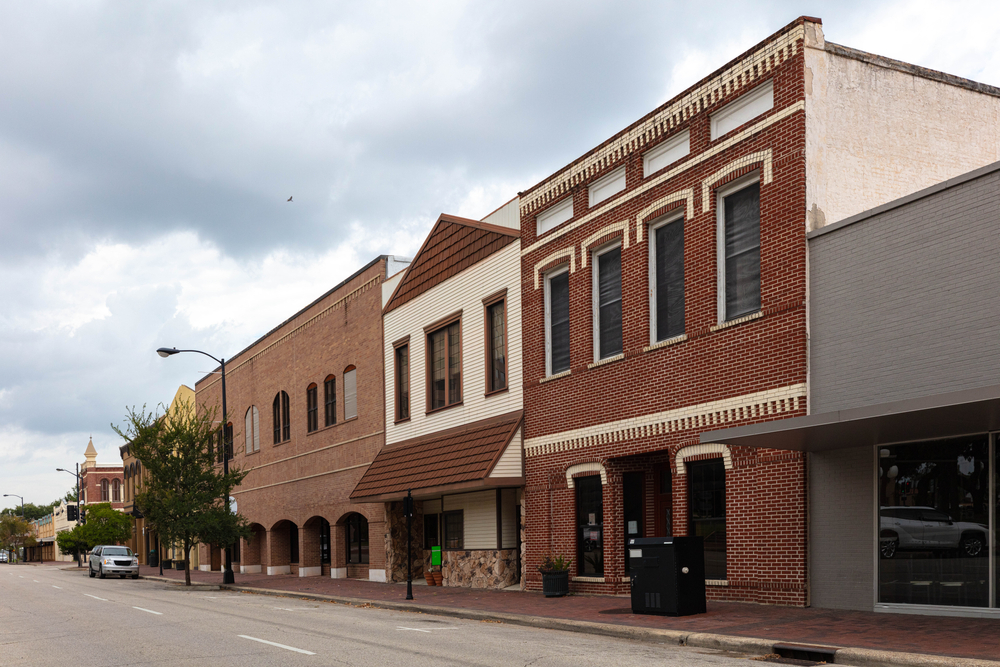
72	513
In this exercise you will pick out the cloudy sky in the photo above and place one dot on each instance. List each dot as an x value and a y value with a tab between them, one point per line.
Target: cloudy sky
147	150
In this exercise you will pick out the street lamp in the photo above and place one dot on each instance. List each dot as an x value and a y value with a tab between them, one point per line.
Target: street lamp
16	496
227	575
79	509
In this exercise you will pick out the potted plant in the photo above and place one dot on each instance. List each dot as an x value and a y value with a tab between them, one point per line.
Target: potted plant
438	577
429	576
555	576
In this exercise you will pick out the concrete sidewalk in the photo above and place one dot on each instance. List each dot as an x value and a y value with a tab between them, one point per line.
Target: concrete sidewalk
845	637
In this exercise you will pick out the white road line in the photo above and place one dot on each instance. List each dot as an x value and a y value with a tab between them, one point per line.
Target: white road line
149	611
414	629
35	580
287	648
59	587
95	597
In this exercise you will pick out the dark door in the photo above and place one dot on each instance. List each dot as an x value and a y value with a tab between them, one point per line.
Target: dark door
663	502
590	526
634	499
707	480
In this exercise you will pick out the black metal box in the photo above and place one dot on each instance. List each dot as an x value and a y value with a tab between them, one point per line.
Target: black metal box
668	575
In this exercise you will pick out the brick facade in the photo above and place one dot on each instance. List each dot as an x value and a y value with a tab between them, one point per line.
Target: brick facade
307	479
636	411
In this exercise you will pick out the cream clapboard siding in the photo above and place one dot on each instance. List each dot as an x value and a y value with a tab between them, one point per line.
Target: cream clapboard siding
511	461
508	215
464	292
479	517
389	286
508	507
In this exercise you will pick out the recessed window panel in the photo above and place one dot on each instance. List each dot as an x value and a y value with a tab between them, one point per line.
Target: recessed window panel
668	152
554	216
607	186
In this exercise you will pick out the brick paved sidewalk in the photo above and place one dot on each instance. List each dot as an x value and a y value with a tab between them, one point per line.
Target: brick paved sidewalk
936	635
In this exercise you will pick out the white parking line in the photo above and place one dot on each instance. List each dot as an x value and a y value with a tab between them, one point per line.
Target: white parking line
59	587
149	611
414	629
95	597
35	580
287	648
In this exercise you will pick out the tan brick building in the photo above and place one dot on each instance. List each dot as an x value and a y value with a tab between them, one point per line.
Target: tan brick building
306	412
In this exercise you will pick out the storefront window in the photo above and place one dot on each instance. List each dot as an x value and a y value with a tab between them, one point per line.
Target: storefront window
453	529
357	539
934	522
708	513
590	526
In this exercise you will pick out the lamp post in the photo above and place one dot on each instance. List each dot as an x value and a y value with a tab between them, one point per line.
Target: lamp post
227	575
79	509
16	496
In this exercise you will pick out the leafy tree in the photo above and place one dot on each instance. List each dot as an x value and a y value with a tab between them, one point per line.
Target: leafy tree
106	526
32	511
70	497
15	533
73	541
183	489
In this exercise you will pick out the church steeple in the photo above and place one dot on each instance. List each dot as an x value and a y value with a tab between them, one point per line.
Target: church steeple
91	454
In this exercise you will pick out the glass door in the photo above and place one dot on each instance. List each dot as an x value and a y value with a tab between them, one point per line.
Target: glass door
707	506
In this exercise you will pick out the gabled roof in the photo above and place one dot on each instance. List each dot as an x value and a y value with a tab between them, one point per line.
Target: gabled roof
453	245
457	457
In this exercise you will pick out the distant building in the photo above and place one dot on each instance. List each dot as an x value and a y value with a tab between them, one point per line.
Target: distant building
100	482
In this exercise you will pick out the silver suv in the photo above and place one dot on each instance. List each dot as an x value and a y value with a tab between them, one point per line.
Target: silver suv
927	528
111	559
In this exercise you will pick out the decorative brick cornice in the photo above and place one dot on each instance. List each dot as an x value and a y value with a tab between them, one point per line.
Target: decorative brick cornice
712	414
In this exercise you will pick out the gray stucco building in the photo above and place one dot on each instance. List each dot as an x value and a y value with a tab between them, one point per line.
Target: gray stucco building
904	404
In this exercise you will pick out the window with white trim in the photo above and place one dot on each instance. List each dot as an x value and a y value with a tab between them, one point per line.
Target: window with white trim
747	107
554	216
666	277
607	296
738	211
557	357
607	186
668	152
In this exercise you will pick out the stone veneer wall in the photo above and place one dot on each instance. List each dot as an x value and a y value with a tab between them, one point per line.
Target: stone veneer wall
486	568
395	541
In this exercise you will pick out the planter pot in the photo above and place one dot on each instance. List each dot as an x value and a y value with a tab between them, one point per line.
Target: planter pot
438	579
555	584
429	577
180	564
167	563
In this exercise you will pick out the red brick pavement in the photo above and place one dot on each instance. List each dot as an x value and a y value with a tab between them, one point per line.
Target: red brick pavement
959	637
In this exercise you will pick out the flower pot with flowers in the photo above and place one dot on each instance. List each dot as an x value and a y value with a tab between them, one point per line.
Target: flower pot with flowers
555	576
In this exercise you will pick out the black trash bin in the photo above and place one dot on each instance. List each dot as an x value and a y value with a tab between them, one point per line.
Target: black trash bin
668	575
152	559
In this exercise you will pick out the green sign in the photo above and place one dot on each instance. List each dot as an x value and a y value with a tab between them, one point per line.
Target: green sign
435	555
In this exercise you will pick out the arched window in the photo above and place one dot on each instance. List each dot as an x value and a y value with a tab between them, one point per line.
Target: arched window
116	491
104	491
350	392
282	424
312	408
330	400
251	428
357	539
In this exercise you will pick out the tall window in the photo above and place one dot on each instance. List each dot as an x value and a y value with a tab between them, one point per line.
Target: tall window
402	382
330	401
324	541
350	392
668	279
312	408
608	302
105	491
453	529
293	543
496	345
740	251
282	424
445	349
116	491
228	440
431	531
590	526
357	539
251	429
557	321
707	507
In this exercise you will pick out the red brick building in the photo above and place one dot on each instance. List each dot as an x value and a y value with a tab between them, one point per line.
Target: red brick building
101	482
306	418
664	294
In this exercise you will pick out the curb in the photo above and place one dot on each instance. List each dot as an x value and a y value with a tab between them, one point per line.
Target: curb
858	657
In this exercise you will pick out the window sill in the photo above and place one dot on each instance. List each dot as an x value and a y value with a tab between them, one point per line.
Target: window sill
401	421
716	582
609	360
347	421
549	378
442	409
495	392
588	580
665	343
321	429
738	320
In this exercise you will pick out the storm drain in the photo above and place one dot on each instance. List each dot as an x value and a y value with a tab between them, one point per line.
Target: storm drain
806	652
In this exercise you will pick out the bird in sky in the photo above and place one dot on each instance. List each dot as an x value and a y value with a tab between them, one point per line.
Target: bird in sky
289	199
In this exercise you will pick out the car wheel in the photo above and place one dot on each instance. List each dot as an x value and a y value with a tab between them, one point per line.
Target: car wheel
888	548
971	546
135	576
91	571
100	573
122	576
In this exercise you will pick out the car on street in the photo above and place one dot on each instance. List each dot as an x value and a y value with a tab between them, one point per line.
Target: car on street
112	559
3	556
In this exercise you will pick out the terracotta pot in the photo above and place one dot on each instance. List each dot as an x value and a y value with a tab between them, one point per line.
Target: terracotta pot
438	579
429	576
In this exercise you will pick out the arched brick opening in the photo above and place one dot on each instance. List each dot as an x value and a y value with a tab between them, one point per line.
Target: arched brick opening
250	550
354	545
283	548
314	543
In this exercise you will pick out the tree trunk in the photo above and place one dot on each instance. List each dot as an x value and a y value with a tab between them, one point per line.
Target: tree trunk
187	563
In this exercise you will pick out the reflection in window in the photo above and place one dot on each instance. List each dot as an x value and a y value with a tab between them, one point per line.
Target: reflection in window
590	526
453	529
446	366
934	522
357	539
707	481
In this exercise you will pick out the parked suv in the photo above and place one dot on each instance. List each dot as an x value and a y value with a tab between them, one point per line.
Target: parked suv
928	528
112	559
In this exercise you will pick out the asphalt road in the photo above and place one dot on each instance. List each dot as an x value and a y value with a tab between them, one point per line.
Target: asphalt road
50	616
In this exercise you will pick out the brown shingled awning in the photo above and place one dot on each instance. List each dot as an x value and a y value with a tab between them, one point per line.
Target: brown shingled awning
457	459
